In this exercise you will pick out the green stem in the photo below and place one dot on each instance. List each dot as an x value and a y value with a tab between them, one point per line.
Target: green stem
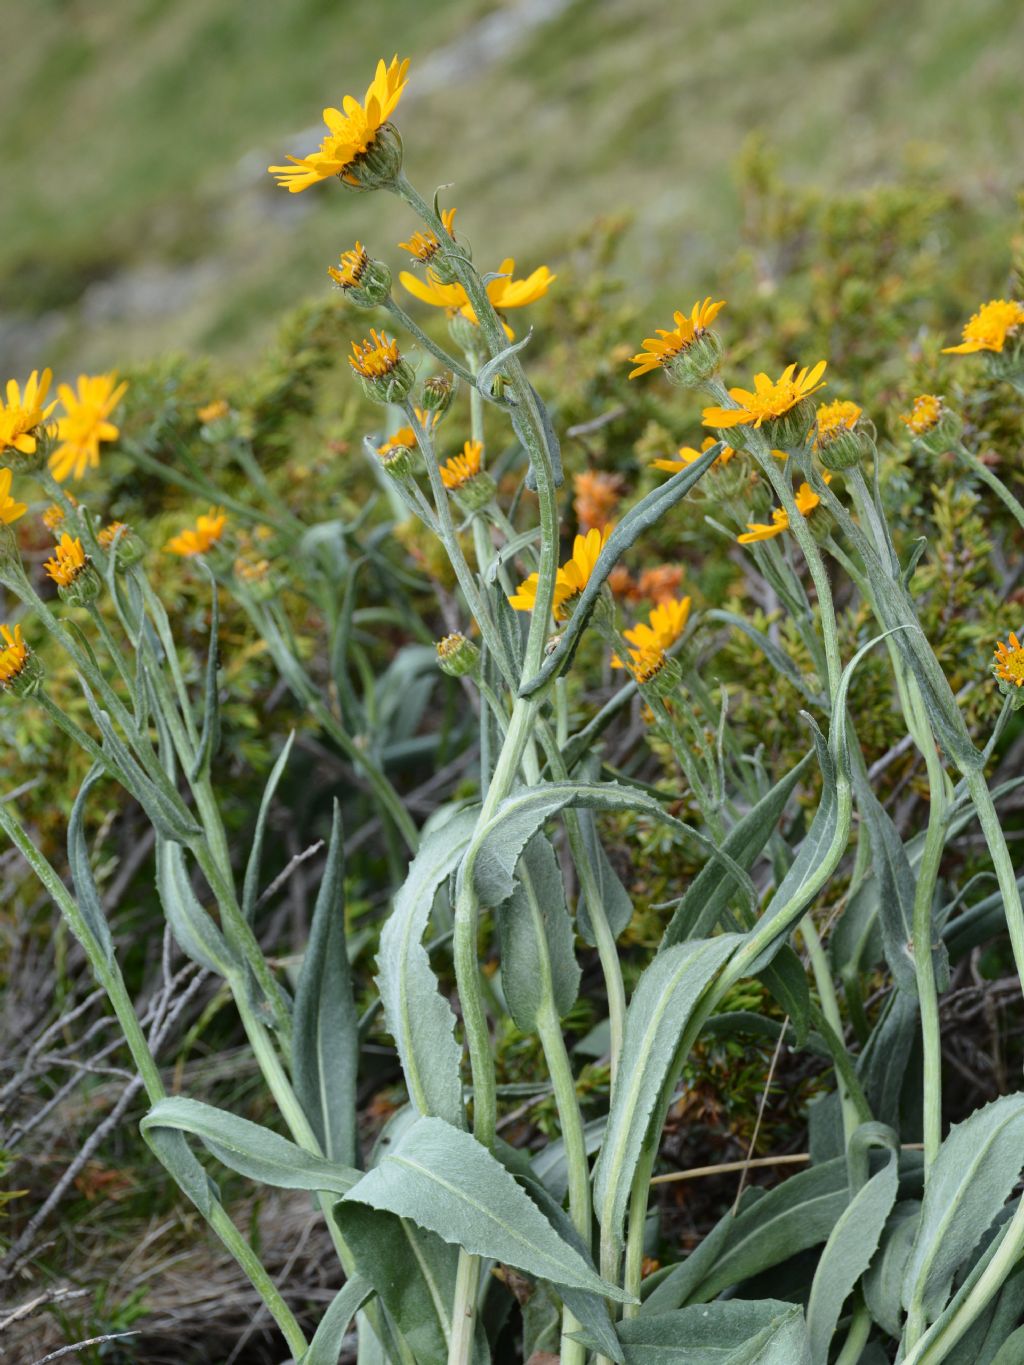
830	1010
1000	855
448	361
992	481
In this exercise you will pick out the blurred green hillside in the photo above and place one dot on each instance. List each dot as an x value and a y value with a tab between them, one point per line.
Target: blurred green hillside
138	215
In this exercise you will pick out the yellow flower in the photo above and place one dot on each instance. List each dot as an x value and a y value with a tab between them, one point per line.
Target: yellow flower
107	535
657	351
376	358
85	424
663	628
504	293
350	268
924	415
687	456
571	579
53	516
214	411
13	654
208	530
770	398
251	570
10	510
1009	661
835	417
404	437
425	244
989	327
645	664
349	134
461	468
24	412
806	500
69	560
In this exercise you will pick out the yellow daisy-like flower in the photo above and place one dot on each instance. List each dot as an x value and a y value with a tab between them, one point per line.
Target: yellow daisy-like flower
835	417
349	134
350	268
461	468
13	654
85	424
1009	661
425	243
213	412
69	560
989	327
806	500
404	436
208	530
659	633
376	358
571	579
24	412
656	351
645	664
504	293
769	398
10	510
687	456
109	533
924	415
53	516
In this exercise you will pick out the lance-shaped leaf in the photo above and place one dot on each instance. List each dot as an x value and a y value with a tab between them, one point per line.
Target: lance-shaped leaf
413	1272
629	530
418	1017
329	1337
538	963
325	1036
251	886
193	928
614	898
81	871
249	1148
661	1005
209	739
733	1332
445	1181
852	1242
970	1181
883	1281
697	914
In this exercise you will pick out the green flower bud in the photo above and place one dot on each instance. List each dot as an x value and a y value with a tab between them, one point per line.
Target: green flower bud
377	167
476	492
464	333
792	430
398	462
439	393
843	436
363	280
934	427
697	362
457	656
84	588
119	538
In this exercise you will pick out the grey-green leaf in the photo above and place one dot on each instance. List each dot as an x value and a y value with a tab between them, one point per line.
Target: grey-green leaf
538	963
251	886
970	1181
883	1282
445	1181
731	1332
618	907
249	1148
329	1337
81	870
418	1017
661	1005
325	1034
194	930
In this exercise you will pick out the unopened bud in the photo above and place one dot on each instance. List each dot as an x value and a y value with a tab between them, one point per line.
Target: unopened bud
457	656
439	393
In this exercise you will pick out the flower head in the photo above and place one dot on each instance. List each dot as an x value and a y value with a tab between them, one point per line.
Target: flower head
10	510
989	328
645	664
571	579
924	416
376	358
213	412
84	424
403	439
109	534
835	418
1009	662
209	528
769	399
659	584
460	469
659	633
366	282
350	268
425	243
14	655
597	497
504	292
658	352
251	570
350	135
806	501
456	655
686	456
68	563
24	413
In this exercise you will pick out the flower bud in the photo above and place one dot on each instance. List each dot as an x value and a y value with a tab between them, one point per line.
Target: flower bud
21	673
697	362
457	656
385	375
933	426
464	333
379	165
439	393
363	280
254	574
843	438
119	538
655	673
398	462
84	588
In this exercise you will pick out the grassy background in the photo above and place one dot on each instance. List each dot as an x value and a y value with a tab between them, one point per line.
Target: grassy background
138	215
